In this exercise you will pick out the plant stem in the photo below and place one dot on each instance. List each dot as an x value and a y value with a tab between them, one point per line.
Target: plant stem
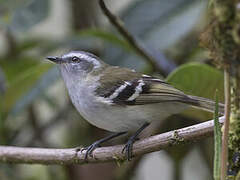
224	158
217	143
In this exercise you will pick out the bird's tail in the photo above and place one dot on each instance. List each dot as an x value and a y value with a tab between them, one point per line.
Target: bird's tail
205	104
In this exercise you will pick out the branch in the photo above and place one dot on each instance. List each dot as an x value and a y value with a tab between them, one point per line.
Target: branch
139	48
10	154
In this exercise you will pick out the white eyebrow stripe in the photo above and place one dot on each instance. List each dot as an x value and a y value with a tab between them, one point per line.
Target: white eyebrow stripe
138	90
84	56
91	59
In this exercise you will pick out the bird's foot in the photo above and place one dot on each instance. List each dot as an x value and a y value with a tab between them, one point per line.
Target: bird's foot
89	149
128	147
96	144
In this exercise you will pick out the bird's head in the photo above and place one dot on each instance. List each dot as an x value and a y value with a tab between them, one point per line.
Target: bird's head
77	63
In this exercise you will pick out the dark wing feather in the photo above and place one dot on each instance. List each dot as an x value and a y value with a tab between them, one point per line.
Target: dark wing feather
153	90
159	92
110	84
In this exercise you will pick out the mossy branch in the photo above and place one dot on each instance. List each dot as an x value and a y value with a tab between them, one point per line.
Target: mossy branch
222	39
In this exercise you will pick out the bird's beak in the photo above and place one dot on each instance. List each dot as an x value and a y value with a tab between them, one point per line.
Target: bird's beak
55	59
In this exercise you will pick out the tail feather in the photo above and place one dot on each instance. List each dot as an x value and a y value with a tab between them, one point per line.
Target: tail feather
205	104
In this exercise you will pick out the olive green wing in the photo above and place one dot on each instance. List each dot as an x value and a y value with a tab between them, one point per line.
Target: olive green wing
123	86
158	91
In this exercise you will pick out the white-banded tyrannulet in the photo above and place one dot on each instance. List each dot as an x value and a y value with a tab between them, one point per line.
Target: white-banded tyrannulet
119	99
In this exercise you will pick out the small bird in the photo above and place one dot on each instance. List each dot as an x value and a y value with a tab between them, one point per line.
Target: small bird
118	99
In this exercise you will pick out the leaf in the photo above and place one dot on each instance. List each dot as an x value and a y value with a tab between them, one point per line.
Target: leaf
199	80
21	76
217	143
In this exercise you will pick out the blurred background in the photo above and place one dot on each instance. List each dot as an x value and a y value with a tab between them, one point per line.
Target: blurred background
35	109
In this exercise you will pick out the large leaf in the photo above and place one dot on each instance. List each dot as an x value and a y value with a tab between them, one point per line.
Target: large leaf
21	76
199	80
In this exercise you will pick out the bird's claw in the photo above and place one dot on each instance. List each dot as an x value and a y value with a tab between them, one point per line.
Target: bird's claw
89	150
128	148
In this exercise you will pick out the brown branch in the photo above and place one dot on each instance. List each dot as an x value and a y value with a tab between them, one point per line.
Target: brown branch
128	37
10	154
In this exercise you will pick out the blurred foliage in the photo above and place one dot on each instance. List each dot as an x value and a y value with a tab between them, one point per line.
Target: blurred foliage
106	37
34	107
21	75
22	15
159	24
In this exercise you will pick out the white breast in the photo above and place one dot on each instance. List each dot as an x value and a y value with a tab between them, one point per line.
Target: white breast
120	118
116	118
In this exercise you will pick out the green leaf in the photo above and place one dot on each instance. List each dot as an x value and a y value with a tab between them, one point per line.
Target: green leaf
21	76
217	143
199	80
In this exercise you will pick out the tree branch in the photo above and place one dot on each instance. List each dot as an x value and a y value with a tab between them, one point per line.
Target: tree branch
136	45
11	154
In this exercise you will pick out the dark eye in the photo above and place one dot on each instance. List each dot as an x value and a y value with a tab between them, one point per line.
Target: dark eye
75	59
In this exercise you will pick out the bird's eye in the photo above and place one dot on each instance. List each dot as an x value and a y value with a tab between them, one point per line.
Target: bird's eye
75	59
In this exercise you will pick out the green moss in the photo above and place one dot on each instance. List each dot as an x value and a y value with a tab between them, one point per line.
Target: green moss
222	39
234	129
222	35
176	139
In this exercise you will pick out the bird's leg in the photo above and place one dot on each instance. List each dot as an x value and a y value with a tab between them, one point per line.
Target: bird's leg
128	146
96	144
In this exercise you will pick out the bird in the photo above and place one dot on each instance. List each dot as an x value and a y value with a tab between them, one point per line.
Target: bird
118	99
